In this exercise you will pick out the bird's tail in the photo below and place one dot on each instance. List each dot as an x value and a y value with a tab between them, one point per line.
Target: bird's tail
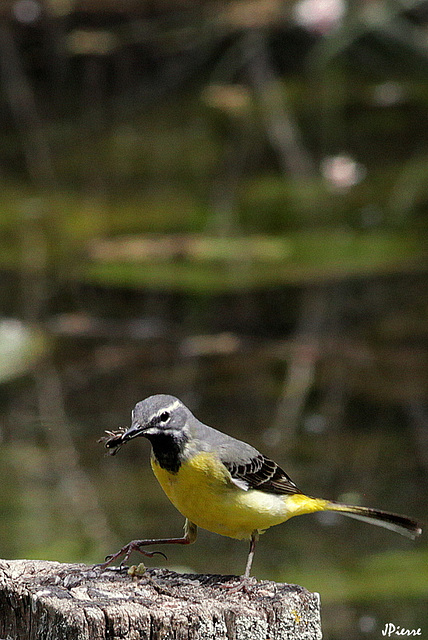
400	524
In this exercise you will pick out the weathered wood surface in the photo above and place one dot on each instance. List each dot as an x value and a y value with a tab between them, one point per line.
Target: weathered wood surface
42	600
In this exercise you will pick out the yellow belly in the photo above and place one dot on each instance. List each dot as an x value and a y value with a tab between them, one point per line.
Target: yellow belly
203	492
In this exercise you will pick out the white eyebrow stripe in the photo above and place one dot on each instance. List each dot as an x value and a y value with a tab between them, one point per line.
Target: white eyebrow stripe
170	407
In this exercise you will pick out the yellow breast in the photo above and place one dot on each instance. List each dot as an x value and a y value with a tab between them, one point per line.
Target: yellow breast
203	492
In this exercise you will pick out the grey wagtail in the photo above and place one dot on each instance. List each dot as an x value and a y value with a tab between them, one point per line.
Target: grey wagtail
222	484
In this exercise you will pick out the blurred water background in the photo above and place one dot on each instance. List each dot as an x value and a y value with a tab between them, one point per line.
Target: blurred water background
224	201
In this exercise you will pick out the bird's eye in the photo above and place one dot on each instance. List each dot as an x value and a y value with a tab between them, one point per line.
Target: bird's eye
164	417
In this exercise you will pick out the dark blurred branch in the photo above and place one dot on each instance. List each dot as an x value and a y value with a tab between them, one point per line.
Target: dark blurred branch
224	220
282	130
301	367
94	123
79	494
174	68
418	417
33	260
24	111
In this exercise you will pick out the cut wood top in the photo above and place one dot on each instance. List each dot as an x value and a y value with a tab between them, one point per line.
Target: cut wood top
40	599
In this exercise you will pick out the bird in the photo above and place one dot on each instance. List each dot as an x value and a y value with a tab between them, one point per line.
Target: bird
222	484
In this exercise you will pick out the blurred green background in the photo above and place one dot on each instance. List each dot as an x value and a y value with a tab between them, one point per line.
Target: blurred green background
227	202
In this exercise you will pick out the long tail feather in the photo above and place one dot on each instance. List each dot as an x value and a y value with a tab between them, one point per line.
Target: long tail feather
400	524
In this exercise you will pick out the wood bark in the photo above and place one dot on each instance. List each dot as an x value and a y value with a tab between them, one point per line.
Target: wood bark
42	600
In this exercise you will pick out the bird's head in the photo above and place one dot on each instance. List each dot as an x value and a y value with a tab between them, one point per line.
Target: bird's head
159	415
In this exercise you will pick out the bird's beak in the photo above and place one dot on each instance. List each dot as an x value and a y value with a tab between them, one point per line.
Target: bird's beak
134	430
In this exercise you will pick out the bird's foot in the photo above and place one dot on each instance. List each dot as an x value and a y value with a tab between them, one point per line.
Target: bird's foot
245	584
134	545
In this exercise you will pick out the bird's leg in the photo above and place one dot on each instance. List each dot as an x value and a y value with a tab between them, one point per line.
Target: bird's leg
190	533
254	538
244	580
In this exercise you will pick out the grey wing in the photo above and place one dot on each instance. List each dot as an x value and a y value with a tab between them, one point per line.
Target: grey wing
263	474
248	467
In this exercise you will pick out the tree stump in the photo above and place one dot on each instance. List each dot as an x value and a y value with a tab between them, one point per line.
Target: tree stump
42	600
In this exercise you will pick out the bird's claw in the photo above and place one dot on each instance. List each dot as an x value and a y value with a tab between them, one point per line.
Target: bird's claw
126	552
150	554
